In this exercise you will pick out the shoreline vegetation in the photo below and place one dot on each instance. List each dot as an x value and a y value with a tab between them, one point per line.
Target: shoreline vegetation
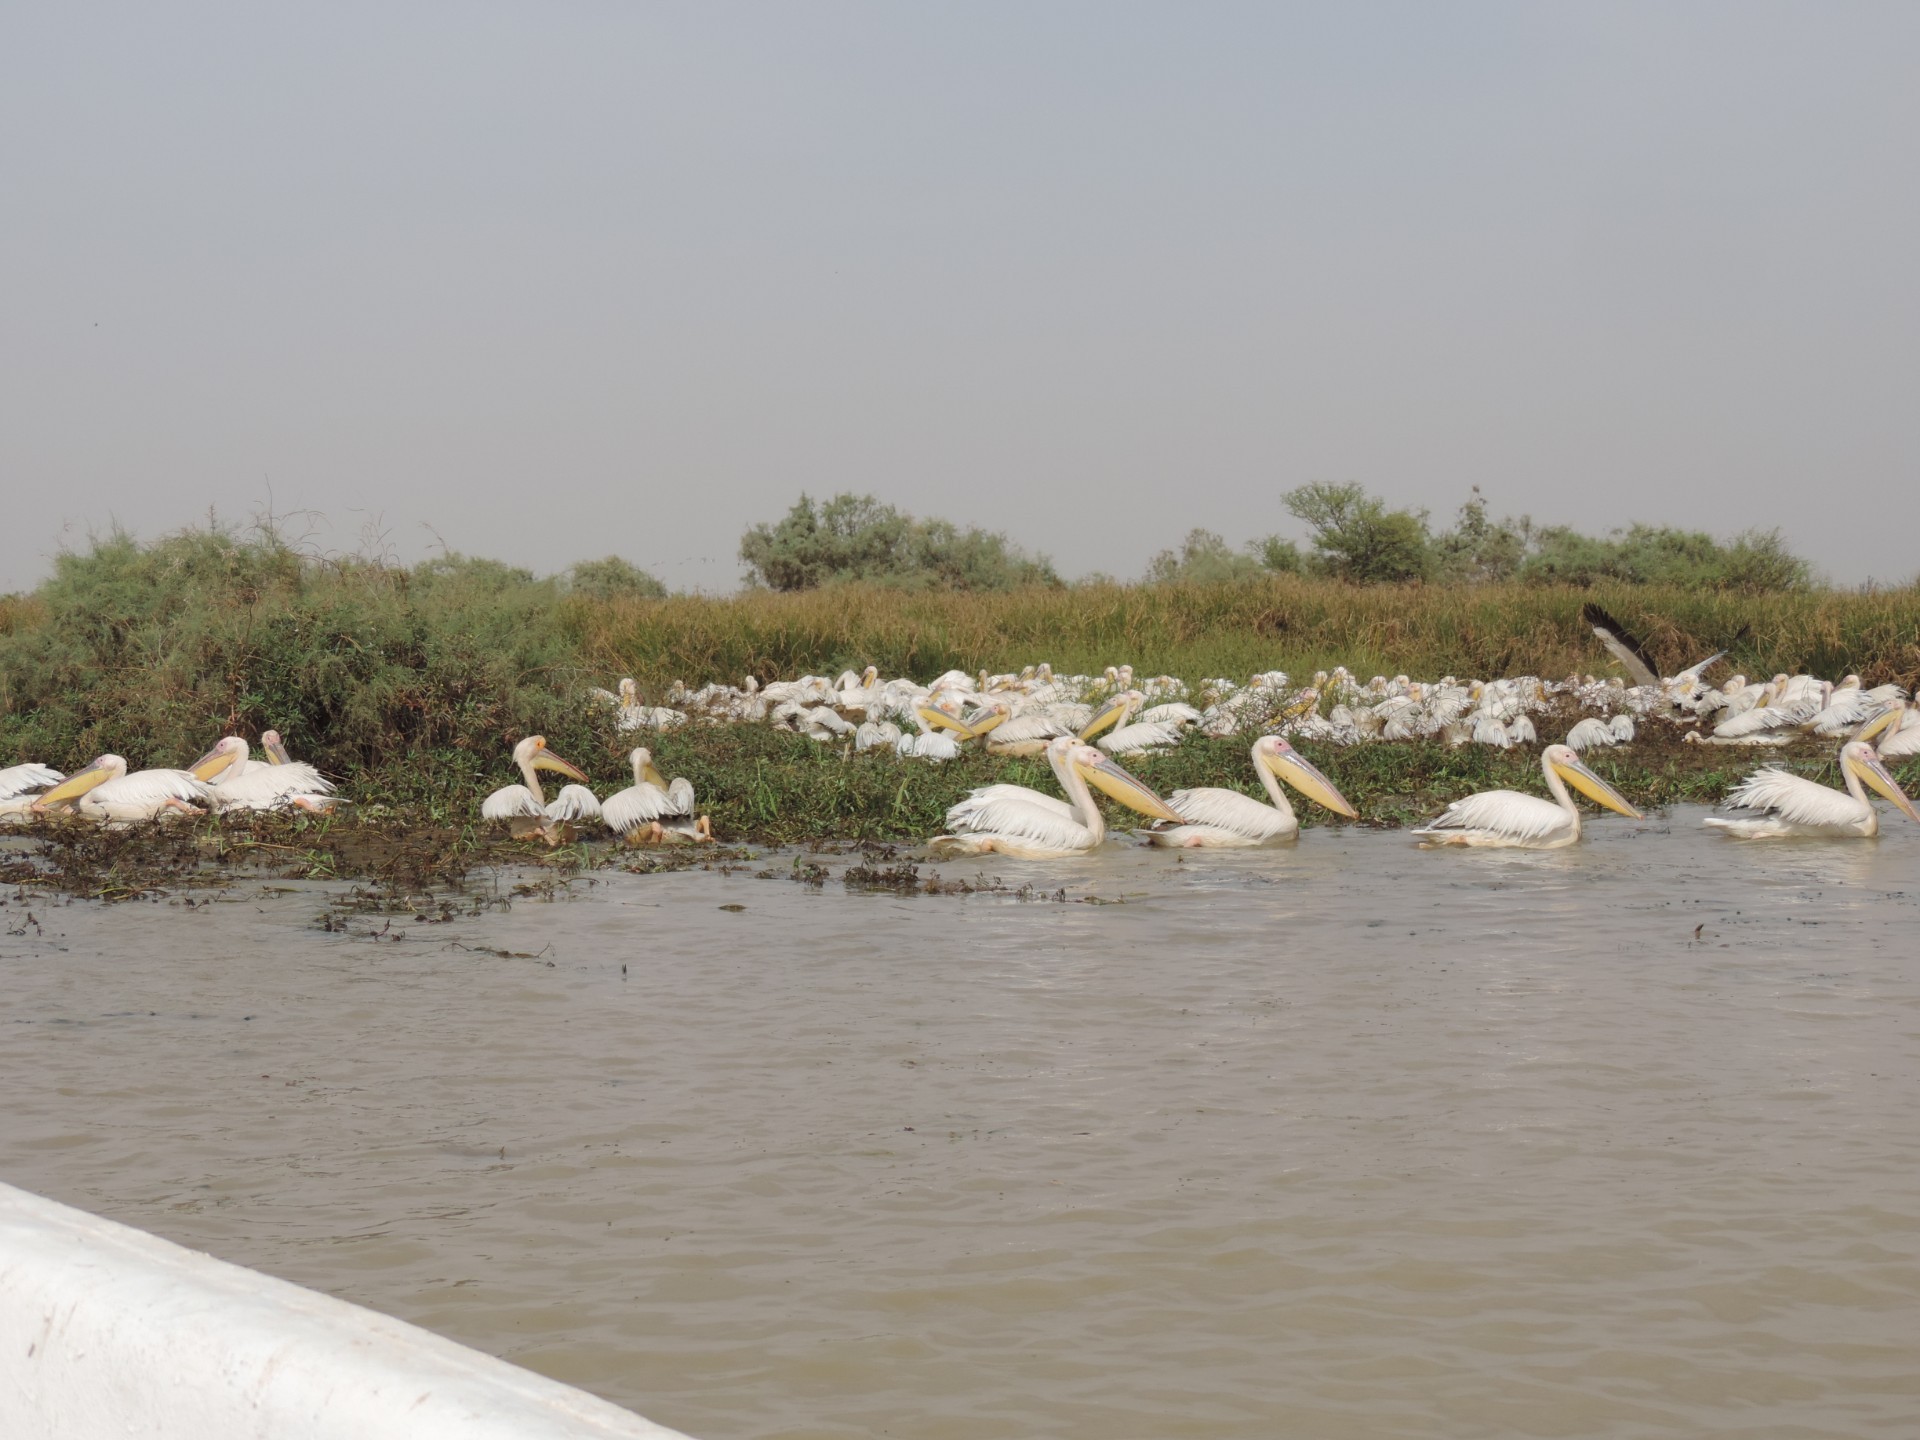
408	685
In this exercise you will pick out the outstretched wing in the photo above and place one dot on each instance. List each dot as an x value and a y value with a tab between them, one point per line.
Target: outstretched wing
1622	645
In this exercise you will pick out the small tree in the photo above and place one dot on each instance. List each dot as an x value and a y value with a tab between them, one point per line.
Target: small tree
1203	558
857	538
613	579
1355	536
1478	549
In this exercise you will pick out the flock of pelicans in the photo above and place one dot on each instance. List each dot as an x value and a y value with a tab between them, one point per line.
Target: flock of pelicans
1083	724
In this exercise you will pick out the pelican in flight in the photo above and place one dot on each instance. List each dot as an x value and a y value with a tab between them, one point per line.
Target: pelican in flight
526	809
1781	804
1226	817
105	792
650	810
1013	820
1508	818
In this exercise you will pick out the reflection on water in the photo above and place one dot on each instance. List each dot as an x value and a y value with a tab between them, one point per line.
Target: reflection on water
1346	1140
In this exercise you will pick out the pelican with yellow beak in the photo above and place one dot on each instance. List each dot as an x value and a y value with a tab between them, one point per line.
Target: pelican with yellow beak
1508	818
1013	820
106	793
1217	817
1781	804
651	811
525	809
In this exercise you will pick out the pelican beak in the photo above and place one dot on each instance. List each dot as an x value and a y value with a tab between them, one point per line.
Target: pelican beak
937	719
73	787
547	760
276	751
985	721
1301	773
650	773
1594	788
1107	715
1111	780
1887	719
1873	770
215	762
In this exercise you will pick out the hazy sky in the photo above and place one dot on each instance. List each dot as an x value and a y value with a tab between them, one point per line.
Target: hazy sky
552	280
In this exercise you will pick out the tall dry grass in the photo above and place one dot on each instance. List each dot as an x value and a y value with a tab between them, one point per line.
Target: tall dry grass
1282	622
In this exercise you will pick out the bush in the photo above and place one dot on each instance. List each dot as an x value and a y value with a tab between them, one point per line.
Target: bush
855	538
613	579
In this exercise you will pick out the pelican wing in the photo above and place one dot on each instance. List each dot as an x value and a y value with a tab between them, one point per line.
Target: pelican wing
148	788
1230	810
574	804
1795	799
1621	644
1017	811
512	802
986	800
269	787
1503	812
27	780
641	804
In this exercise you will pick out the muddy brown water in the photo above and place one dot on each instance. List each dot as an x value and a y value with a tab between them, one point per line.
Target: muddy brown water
1345	1140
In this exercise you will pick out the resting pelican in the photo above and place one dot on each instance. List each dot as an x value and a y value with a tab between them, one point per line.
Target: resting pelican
278	784
1013	820
650	810
105	792
525	808
1508	818
1783	804
1895	731
1226	817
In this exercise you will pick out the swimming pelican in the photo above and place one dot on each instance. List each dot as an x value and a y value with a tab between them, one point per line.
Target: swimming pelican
1508	818
1783	804
525	808
1218	817
1013	820
650	810
105	792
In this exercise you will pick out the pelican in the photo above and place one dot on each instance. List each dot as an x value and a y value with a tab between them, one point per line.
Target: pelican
1895	731
1783	804
650	810
1219	817
1013	820
1508	818
525	808
105	792
278	784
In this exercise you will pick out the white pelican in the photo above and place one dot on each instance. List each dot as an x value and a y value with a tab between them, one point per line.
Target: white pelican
281	783
651	810
1013	820
1783	804
1226	817
525	808
105	792
1508	818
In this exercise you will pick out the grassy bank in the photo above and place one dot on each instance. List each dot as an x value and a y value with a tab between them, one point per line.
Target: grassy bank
409	685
